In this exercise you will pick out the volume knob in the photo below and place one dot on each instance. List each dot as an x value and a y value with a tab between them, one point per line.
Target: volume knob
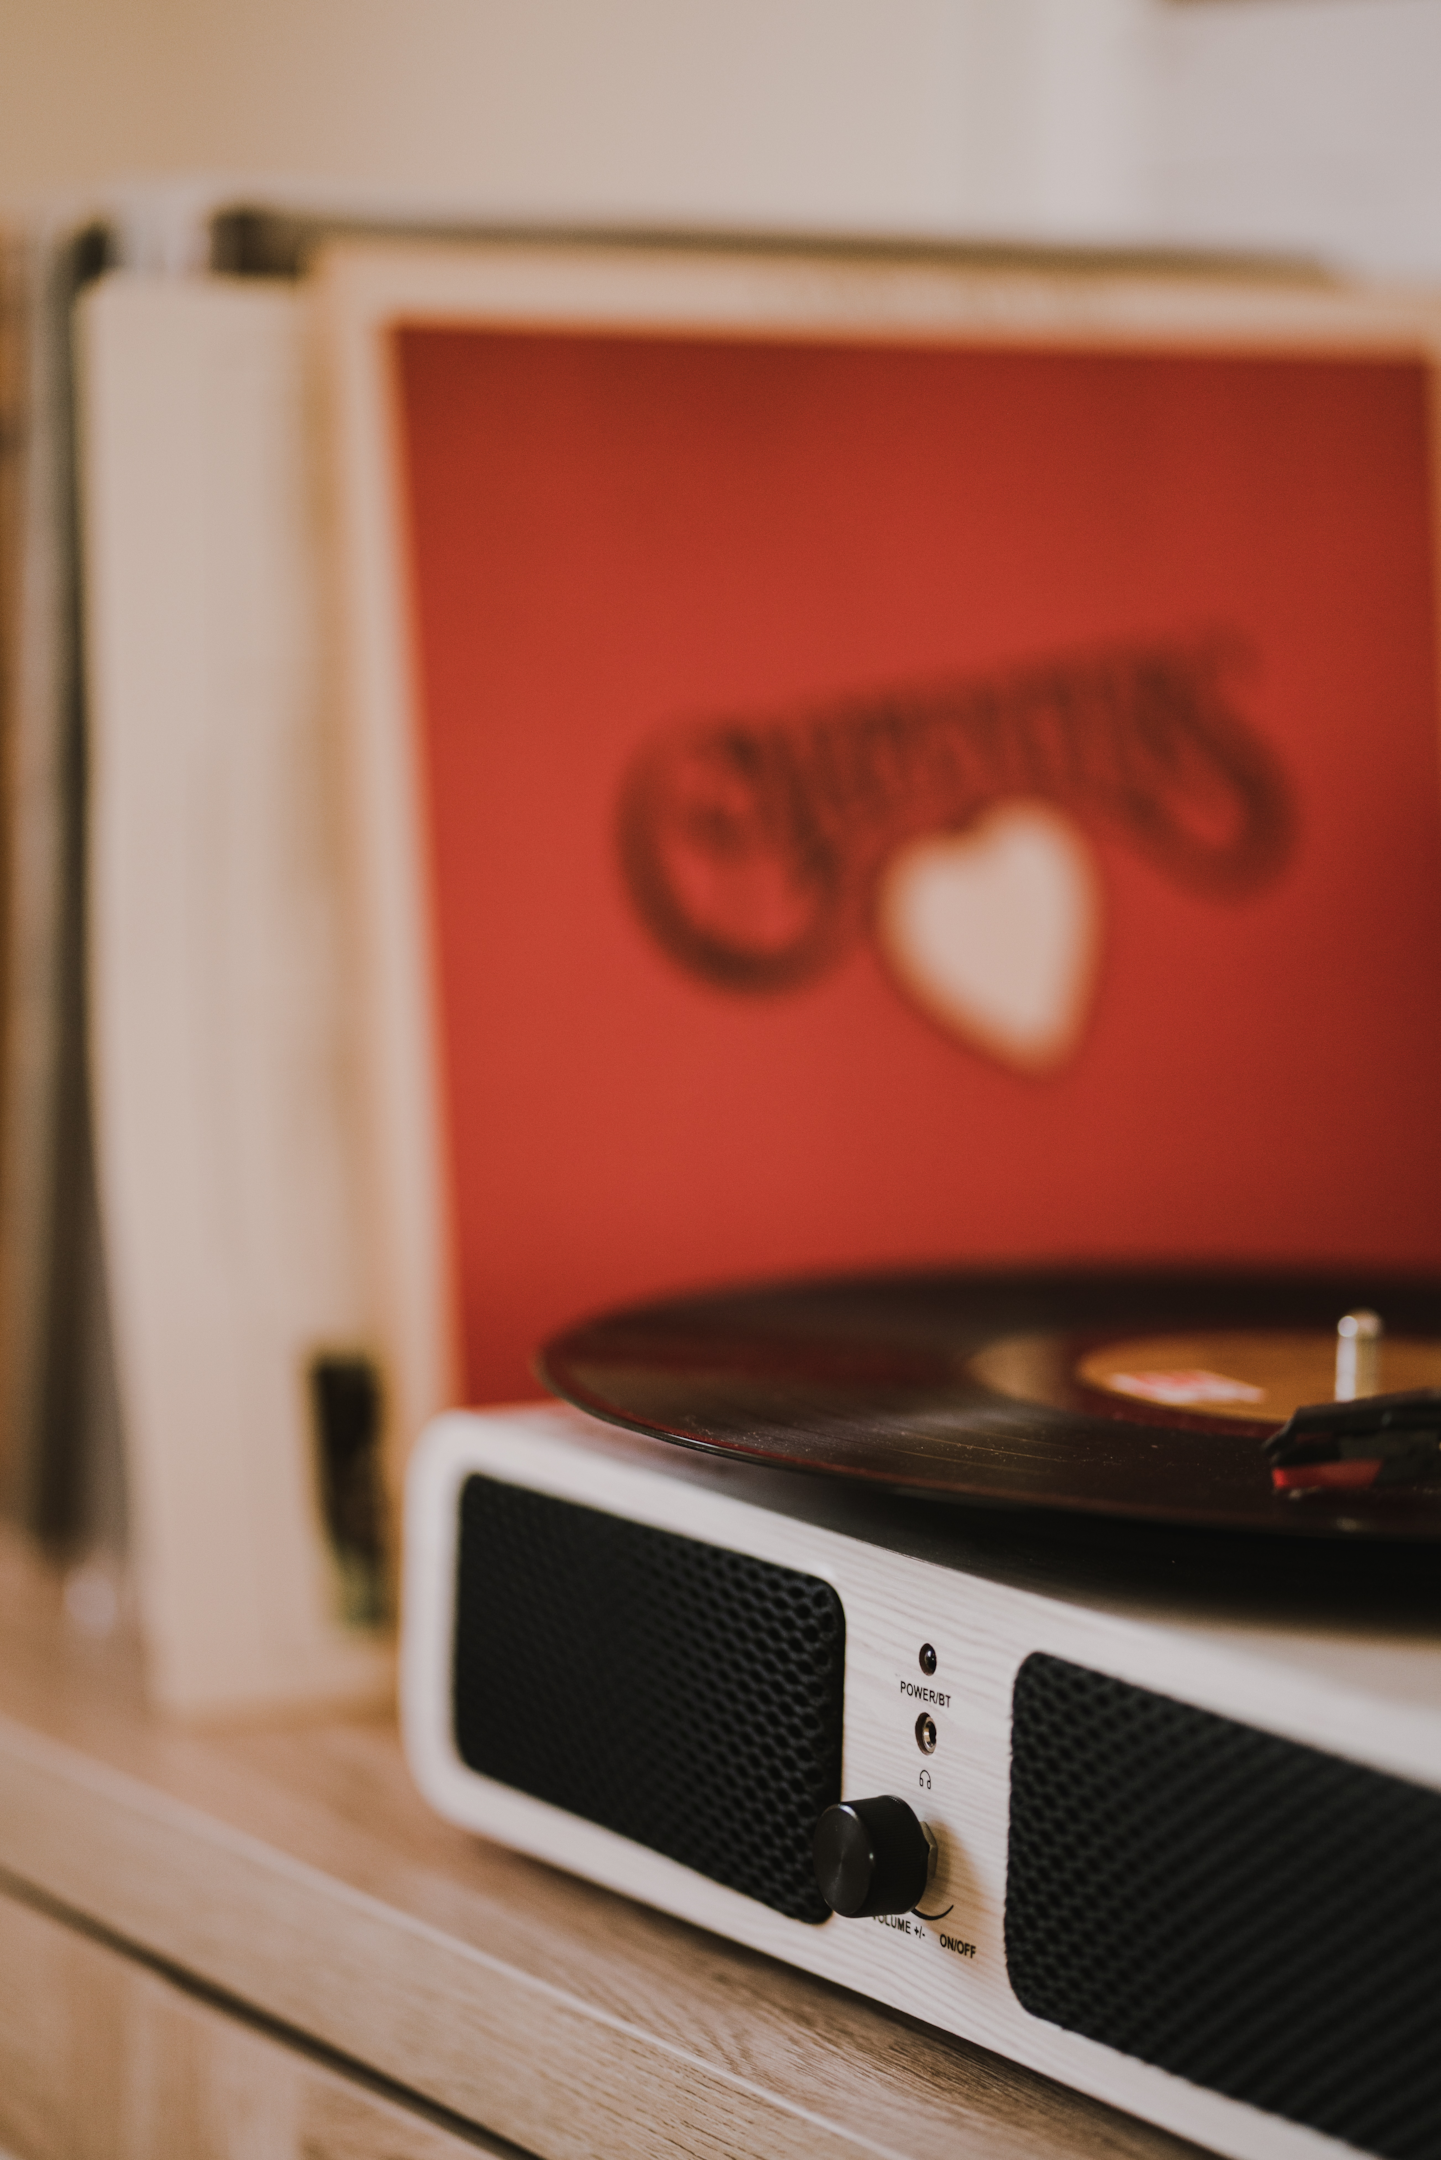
872	1856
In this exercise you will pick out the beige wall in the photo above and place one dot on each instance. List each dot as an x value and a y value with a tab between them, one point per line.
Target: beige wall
1310	122
1304	123
821	111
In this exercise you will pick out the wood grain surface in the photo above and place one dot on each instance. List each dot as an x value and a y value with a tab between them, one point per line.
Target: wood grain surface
102	2058
294	1870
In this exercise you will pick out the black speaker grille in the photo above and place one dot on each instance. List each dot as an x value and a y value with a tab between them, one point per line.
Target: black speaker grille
687	1697
1253	1915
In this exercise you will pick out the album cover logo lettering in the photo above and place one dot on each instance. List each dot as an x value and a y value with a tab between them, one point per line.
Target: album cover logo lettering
951	823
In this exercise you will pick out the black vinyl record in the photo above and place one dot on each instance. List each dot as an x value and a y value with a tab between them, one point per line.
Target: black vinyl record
1000	1388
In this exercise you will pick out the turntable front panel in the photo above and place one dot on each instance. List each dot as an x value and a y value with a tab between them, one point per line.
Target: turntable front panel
1359	1687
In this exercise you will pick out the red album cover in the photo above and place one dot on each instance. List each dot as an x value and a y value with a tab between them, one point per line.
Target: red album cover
898	804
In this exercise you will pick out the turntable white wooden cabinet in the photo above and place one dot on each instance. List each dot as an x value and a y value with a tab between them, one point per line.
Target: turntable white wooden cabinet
263	1945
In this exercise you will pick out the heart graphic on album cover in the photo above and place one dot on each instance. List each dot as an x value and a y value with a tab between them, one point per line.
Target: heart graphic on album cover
994	932
951	822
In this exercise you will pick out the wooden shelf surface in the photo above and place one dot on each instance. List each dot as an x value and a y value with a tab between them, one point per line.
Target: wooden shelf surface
293	1870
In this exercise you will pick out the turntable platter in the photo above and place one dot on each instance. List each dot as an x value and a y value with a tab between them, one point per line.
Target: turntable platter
1147	1395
